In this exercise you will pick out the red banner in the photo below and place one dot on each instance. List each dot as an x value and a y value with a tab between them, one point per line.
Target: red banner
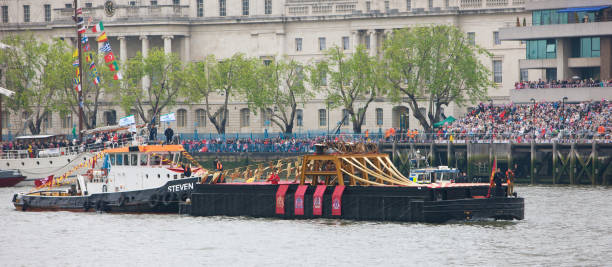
317	200
280	198
337	200
299	199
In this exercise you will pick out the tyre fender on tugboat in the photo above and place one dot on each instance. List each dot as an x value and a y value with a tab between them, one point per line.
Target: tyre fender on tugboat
153	200
122	200
25	205
86	205
100	205
168	198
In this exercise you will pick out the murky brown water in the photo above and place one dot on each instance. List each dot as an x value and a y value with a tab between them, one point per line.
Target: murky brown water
564	226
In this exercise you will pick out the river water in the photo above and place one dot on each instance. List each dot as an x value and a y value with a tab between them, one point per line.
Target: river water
564	226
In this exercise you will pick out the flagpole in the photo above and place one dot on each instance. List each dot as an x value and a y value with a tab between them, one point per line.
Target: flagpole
79	92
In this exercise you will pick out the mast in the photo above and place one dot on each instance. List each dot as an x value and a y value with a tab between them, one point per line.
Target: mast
79	92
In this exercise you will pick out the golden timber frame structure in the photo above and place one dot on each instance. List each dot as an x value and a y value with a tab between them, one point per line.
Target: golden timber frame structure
334	164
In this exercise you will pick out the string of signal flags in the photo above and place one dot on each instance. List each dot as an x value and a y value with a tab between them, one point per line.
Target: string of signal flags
104	48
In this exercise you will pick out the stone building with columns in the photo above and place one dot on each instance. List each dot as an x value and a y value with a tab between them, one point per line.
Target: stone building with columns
268	29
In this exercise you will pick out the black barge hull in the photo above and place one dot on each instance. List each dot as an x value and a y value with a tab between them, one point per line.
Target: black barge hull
409	204
164	199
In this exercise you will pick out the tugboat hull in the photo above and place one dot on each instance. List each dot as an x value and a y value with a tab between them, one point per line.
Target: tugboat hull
164	199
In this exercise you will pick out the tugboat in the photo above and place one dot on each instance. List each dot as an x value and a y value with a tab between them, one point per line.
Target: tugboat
140	179
10	178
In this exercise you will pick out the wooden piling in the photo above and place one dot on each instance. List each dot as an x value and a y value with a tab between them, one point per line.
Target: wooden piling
468	159
594	159
555	169
449	154
572	167
533	159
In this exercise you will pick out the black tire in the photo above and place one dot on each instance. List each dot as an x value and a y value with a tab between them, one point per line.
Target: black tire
100	205
153	201
168	198
25	205
121	201
86	205
182	196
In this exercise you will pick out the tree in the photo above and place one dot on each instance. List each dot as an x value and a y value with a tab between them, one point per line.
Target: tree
165	75
212	78
354	82
279	86
434	66
36	72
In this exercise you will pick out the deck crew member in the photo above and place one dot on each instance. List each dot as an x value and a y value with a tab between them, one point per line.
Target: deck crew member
219	168
169	133
274	179
498	178
152	133
510	179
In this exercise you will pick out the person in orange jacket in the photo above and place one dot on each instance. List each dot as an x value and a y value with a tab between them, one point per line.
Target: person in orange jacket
274	179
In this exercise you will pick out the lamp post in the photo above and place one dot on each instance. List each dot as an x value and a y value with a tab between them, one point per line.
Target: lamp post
327	102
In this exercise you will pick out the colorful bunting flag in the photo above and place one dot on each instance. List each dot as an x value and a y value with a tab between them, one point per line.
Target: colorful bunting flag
79	11
105	47
109	57
96	80
118	76
75	53
78	87
102	38
82	30
88	58
84	39
76	80
98	27
77	72
86	48
113	66
92	65
79	20
75	63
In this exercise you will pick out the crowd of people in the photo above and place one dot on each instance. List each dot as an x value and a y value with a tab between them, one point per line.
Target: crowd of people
569	83
251	144
542	122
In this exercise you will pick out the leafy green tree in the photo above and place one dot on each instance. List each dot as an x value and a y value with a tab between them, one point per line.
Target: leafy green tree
354	82
212	79
279	87
165	75
35	72
433	67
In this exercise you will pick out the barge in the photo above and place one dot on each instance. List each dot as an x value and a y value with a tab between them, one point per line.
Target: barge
348	182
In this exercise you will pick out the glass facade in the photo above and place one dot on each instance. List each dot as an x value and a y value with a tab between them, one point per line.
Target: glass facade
586	47
541	49
553	16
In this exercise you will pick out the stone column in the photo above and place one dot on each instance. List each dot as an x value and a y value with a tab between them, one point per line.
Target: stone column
167	43
355	36
186	48
606	57
563	51
122	49
145	51
373	42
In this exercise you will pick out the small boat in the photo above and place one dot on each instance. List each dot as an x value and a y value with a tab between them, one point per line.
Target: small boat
145	178
10	178
440	174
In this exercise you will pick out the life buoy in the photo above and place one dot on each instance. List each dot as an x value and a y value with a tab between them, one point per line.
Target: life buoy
153	201
25	205
168	198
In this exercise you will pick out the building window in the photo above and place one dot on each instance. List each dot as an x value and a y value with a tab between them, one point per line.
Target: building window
48	120
268	7
5	14
89	5
110	117
26	13
47	13
323	78
222	8
446	3
154	3
322	45
471	38
430	4
379	116
345	117
299	116
245	7
541	49
176	2
6	116
387	6
367	41
345	43
181	118
322	117
586	47
67	121
497	71
368	6
298	44
266	117
68	5
245	117
200	115
408	5
524	75
200	8
496	38
132	3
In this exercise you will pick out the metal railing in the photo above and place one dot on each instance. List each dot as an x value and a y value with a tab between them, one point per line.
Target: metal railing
62	151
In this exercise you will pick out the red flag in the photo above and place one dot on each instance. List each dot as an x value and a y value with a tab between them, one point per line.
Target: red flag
109	57
492	181
43	182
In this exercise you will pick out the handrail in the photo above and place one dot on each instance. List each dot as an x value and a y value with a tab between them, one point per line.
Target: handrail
62	151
